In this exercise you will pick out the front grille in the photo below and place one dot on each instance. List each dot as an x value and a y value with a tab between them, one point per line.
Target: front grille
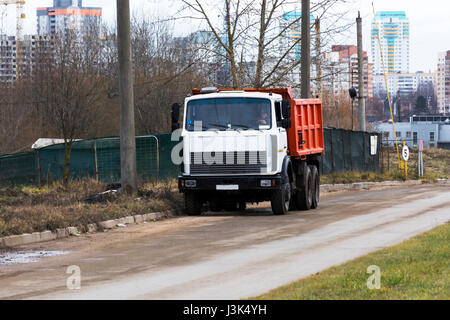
228	163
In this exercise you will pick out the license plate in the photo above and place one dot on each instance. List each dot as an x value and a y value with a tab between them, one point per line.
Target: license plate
227	187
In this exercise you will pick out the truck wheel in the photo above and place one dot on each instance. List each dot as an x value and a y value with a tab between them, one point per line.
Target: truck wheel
280	200
192	204
304	195
316	187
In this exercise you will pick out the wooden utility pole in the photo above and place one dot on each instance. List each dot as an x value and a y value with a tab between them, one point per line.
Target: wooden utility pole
306	50
319	59
361	97
128	173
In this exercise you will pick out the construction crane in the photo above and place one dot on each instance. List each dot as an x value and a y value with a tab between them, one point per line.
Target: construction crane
20	16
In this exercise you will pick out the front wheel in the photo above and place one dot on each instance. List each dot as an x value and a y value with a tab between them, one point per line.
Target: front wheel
280	200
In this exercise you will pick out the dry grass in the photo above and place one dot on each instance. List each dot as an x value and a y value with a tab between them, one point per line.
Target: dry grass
436	166
436	163
31	209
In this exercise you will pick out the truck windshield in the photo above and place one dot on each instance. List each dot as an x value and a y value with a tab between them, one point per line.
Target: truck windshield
229	114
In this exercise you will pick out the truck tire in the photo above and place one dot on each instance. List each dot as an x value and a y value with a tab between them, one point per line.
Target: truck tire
316	187
304	194
215	206
192	204
280	200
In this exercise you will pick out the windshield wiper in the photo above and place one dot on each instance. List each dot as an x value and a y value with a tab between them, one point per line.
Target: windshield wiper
246	127
218	125
204	128
241	126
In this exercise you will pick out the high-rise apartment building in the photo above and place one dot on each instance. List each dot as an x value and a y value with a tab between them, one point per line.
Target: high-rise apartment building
291	27
66	15
394	30
36	49
443	82
393	27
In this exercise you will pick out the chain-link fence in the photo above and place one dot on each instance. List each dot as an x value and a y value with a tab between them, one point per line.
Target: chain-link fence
18	168
100	158
389	158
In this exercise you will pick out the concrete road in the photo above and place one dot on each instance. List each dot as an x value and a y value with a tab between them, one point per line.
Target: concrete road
227	255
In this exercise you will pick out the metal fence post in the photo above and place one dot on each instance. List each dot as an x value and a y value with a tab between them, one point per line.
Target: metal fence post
95	161
332	153
39	168
157	155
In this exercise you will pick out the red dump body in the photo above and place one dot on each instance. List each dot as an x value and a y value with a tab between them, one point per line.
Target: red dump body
305	137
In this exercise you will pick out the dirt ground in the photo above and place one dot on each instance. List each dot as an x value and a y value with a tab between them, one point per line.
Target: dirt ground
187	245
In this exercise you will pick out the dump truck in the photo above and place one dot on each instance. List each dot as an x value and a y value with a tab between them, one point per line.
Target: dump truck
249	146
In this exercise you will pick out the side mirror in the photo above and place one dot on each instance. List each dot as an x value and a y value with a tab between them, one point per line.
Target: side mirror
175	116
286	123
286	109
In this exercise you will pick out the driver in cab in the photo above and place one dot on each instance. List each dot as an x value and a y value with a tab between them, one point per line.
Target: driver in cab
263	118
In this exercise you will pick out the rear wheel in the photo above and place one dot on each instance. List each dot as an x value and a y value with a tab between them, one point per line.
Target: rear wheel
316	187
281	199
192	204
304	195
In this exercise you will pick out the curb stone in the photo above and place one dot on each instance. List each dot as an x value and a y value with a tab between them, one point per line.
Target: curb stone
92	228
12	241
366	185
36	237
61	233
31	237
48	236
72	231
109	224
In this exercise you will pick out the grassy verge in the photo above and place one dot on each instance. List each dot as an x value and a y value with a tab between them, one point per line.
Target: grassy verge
415	269
31	209
436	166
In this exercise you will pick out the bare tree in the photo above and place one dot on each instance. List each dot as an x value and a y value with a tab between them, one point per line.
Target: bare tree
68	87
250	31
163	73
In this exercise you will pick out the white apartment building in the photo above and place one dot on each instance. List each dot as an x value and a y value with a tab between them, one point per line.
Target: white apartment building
443	82
66	15
393	28
403	83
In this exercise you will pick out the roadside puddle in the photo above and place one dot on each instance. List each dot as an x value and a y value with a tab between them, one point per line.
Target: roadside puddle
20	257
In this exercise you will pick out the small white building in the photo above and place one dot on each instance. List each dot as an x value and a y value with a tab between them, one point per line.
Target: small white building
433	130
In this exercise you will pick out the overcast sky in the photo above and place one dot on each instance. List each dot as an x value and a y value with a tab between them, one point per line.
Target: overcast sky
429	22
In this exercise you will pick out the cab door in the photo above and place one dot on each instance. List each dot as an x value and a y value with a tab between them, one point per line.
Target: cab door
281	133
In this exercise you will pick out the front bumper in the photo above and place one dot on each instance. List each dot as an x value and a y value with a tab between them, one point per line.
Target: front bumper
244	183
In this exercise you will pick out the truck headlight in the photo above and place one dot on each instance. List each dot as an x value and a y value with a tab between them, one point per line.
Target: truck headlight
190	183
266	183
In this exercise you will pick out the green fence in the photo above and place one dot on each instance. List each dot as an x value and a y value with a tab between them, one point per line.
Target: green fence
347	150
100	158
18	168
97	158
